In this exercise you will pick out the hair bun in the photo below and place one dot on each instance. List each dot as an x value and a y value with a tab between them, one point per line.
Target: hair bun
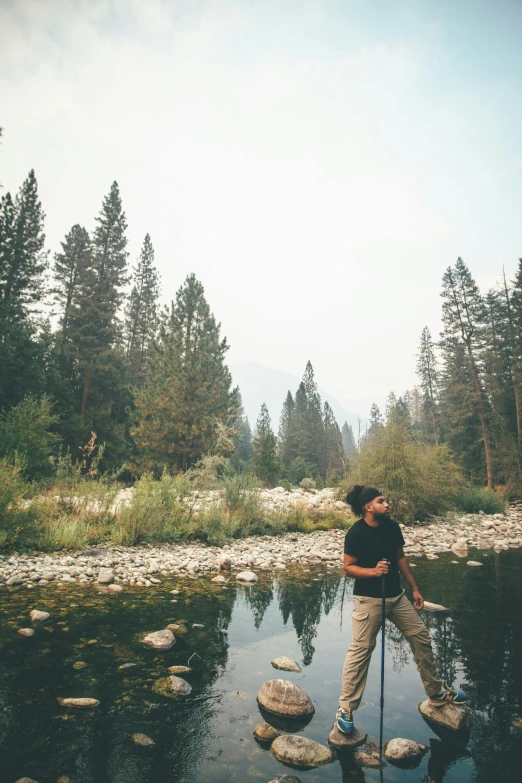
354	494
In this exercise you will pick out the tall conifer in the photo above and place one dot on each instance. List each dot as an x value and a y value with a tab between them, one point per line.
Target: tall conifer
266	462
141	315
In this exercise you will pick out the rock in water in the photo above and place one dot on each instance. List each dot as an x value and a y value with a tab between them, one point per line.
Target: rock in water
179	669
142	739
218	579
83	704
115	588
225	562
369	757
283	697
26	631
39	617
474	563
517	722
264	732
301	752
105	576
172	687
452	716
342	741
25	780
285	779
160	640
286	664
246	576
434	607
404	751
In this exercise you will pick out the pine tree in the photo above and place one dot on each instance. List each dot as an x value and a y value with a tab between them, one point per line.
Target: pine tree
286	447
307	430
141	315
242	438
23	260
69	267
266	462
375	420
333	459
427	372
348	440
188	394
463	316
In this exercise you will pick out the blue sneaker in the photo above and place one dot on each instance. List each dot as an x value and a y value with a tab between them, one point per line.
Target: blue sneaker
344	721
448	696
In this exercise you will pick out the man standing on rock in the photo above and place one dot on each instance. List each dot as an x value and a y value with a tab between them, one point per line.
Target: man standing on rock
373	549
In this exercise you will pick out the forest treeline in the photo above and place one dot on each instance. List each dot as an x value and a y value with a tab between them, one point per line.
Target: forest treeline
97	376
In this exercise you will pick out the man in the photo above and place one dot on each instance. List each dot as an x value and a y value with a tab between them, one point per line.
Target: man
373	549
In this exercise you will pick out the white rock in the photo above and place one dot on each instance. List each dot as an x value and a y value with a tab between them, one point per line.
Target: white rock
37	616
246	576
105	576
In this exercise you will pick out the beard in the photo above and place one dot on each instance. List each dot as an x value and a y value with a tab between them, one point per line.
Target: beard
382	517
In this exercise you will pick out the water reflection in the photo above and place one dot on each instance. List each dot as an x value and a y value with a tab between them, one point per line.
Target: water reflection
206	737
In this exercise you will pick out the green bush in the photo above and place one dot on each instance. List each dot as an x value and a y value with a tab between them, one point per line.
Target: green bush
307	484
18	518
286	485
26	430
475	499
299	469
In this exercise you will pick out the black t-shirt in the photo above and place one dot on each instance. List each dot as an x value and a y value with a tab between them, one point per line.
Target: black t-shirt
369	545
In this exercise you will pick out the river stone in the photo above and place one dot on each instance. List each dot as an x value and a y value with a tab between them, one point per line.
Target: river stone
218	579
474	563
342	741
517	722
403	750
452	716
105	576
264	732
283	697
39	617
80	703
285	779
301	752
25	780
115	588
26	631
172	687
78	665
286	664
179	669
14	580
142	739
225	562
434	607
369	757
246	576
160	640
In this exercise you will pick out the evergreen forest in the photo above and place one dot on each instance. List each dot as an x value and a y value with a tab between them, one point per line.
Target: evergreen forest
102	385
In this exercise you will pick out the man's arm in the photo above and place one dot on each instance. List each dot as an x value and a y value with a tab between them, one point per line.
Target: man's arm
357	572
404	568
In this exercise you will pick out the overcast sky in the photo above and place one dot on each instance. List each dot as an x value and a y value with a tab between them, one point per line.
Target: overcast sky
318	164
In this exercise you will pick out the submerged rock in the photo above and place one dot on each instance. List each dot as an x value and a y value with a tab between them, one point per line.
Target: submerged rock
142	739
285	779
179	669
301	752
452	716
286	664
264	732
342	741
39	617
82	703
246	576
78	665
517	722
283	697
172	687
25	780
404	751
26	631
160	640
115	588
369	757
218	579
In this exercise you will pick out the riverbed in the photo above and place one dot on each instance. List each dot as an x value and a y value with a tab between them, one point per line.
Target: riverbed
92	635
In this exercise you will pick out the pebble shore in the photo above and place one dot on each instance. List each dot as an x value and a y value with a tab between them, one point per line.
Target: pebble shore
145	566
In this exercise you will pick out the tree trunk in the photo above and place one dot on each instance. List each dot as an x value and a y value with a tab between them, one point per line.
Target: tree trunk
482	416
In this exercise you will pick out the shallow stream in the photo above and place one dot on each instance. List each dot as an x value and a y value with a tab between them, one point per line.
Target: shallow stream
206	737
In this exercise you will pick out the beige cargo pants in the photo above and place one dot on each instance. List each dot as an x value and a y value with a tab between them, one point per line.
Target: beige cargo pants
366	623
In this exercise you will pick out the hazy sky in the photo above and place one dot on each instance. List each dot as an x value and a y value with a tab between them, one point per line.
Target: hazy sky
318	163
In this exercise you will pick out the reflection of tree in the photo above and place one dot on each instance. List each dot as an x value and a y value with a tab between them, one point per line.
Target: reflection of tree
304	603
398	646
258	598
445	645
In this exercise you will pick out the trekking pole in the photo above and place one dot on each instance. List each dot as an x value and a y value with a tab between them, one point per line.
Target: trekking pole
383	623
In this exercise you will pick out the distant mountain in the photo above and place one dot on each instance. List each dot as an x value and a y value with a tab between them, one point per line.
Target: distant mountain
260	384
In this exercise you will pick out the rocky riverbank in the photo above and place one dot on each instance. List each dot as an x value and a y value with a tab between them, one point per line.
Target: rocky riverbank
147	565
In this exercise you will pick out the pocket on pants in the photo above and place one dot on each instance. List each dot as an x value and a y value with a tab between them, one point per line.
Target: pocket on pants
360	625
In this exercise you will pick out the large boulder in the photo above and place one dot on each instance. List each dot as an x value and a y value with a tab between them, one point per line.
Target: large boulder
451	716
300	752
286	664
341	741
404	752
160	640
172	687
283	697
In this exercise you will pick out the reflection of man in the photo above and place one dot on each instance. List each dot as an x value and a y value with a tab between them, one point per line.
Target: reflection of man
373	549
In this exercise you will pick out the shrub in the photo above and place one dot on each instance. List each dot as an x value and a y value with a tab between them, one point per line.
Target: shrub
319	483
475	499
286	485
26	430
299	469
18	523
308	484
